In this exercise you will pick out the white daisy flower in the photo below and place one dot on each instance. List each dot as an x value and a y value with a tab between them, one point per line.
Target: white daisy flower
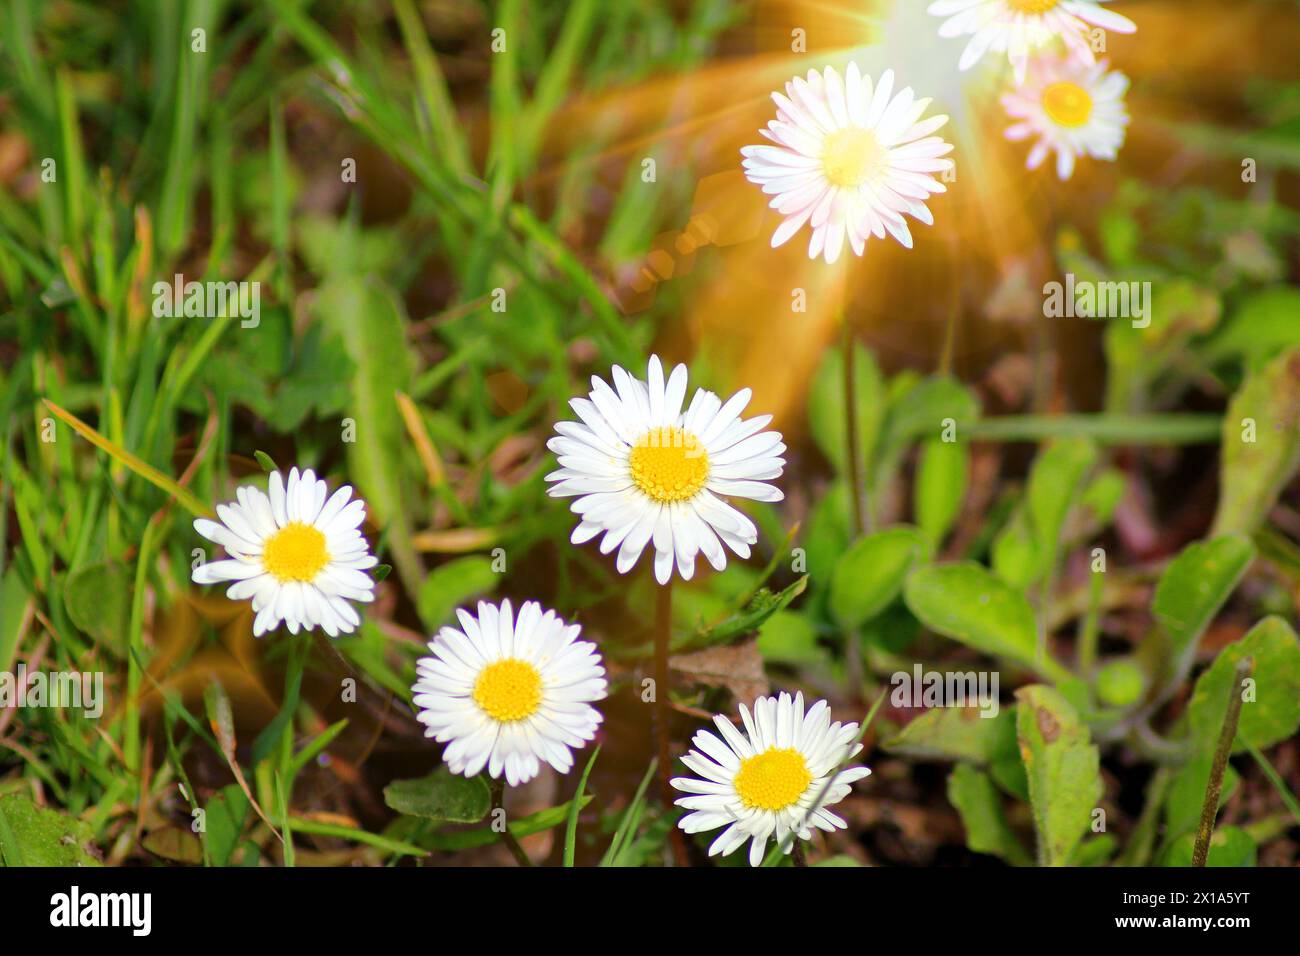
850	158
1076	109
509	693
773	780
1019	27
299	557
647	472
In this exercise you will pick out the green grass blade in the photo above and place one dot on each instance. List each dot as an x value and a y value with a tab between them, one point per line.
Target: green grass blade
575	807
146	471
317	828
1275	778
445	127
630	820
73	173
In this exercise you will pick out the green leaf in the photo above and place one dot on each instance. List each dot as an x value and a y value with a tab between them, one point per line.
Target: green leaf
38	836
1103	495
266	461
1095	851
98	599
1135	357
1229	846
1193	588
333	246
1120	235
1015	552
1186	309
920	411
957	733
1254	472
174	844
1009	774
1055	481
1273	714
788	637
825	537
895	629
317	381
526	826
941	477
1077	694
224	819
871	572
826	406
442	796
968	603
761	606
451	585
1062	766
369	318
977	802
1263	325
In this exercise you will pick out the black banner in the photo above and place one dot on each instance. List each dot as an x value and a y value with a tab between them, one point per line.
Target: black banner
333	906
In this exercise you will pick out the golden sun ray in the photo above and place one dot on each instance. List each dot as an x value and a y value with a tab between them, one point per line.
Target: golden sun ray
997	219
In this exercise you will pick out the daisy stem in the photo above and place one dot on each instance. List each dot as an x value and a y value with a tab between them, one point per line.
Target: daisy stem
851	450
663	634
1214	787
853	652
1175	428
295	667
949	343
1090	628
663	714
498	790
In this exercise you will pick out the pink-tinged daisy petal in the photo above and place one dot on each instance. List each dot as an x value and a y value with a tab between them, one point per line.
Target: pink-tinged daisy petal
1071	108
841	134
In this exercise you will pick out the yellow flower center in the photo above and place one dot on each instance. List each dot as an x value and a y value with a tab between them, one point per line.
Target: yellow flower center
508	689
1068	104
773	779
851	156
296	552
669	464
1031	6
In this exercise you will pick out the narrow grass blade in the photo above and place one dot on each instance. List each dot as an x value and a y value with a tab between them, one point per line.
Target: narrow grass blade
446	128
575	807
146	471
1276	780
316	828
630	820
